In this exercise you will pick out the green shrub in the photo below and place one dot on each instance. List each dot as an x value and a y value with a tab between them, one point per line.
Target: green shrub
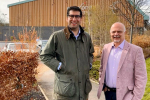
147	89
96	62
94	72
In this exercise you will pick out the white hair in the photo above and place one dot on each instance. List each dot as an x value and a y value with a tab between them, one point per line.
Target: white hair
121	24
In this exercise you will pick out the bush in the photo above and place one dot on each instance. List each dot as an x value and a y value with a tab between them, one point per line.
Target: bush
146	52
17	74
143	41
97	52
94	72
96	62
147	89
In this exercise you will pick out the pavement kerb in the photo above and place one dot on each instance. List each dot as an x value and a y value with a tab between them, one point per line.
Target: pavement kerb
43	92
47	97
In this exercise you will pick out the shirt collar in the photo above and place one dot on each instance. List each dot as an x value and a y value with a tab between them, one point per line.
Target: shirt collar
77	34
68	33
73	33
121	45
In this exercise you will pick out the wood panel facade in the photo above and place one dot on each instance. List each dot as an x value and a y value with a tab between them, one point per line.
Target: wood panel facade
53	12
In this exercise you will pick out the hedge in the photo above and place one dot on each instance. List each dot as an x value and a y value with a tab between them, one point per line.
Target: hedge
17	74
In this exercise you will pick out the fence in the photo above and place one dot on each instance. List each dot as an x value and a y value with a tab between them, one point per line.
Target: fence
43	32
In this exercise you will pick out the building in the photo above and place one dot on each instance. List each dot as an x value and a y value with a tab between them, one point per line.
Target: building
50	15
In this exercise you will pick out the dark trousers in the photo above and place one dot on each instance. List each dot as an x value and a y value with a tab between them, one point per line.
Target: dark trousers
109	95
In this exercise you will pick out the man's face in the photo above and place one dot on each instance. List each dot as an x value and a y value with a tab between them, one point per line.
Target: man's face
117	33
74	19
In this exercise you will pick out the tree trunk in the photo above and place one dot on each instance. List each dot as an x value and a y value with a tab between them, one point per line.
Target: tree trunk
132	21
131	33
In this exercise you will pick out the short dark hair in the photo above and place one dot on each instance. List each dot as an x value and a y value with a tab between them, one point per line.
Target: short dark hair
74	8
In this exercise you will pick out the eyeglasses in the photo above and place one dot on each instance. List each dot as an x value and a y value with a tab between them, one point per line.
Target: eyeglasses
76	16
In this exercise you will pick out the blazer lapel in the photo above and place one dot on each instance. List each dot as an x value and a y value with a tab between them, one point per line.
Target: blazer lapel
107	54
123	55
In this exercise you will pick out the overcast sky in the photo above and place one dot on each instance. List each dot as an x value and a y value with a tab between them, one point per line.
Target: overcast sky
4	10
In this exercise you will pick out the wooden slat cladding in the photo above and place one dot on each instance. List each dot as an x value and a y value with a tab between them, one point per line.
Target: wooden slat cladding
139	18
53	12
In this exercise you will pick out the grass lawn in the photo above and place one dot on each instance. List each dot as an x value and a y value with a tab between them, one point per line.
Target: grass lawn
147	90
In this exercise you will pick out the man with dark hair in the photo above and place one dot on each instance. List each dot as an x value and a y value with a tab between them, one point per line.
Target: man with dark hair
74	8
69	53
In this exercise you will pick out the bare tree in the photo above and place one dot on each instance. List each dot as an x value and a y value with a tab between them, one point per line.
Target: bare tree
2	19
98	21
131	11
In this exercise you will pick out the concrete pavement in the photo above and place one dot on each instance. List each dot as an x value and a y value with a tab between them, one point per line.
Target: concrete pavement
45	80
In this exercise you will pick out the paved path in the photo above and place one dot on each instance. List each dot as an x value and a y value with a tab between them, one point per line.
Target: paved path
45	79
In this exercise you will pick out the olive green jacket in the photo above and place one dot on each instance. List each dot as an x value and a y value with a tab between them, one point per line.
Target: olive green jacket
72	80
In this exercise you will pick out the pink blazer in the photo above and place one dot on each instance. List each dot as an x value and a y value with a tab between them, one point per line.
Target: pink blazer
131	74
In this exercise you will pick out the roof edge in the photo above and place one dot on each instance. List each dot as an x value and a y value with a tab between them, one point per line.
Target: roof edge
17	3
145	16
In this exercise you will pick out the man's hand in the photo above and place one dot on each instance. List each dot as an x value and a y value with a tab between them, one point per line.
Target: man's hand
105	89
99	80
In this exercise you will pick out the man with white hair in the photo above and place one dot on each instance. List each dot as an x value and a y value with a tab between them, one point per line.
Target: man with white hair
122	75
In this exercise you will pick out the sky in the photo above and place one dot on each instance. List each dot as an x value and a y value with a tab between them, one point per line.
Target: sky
4	10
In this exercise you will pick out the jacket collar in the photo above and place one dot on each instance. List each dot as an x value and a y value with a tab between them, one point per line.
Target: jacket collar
123	55
68	33
126	45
